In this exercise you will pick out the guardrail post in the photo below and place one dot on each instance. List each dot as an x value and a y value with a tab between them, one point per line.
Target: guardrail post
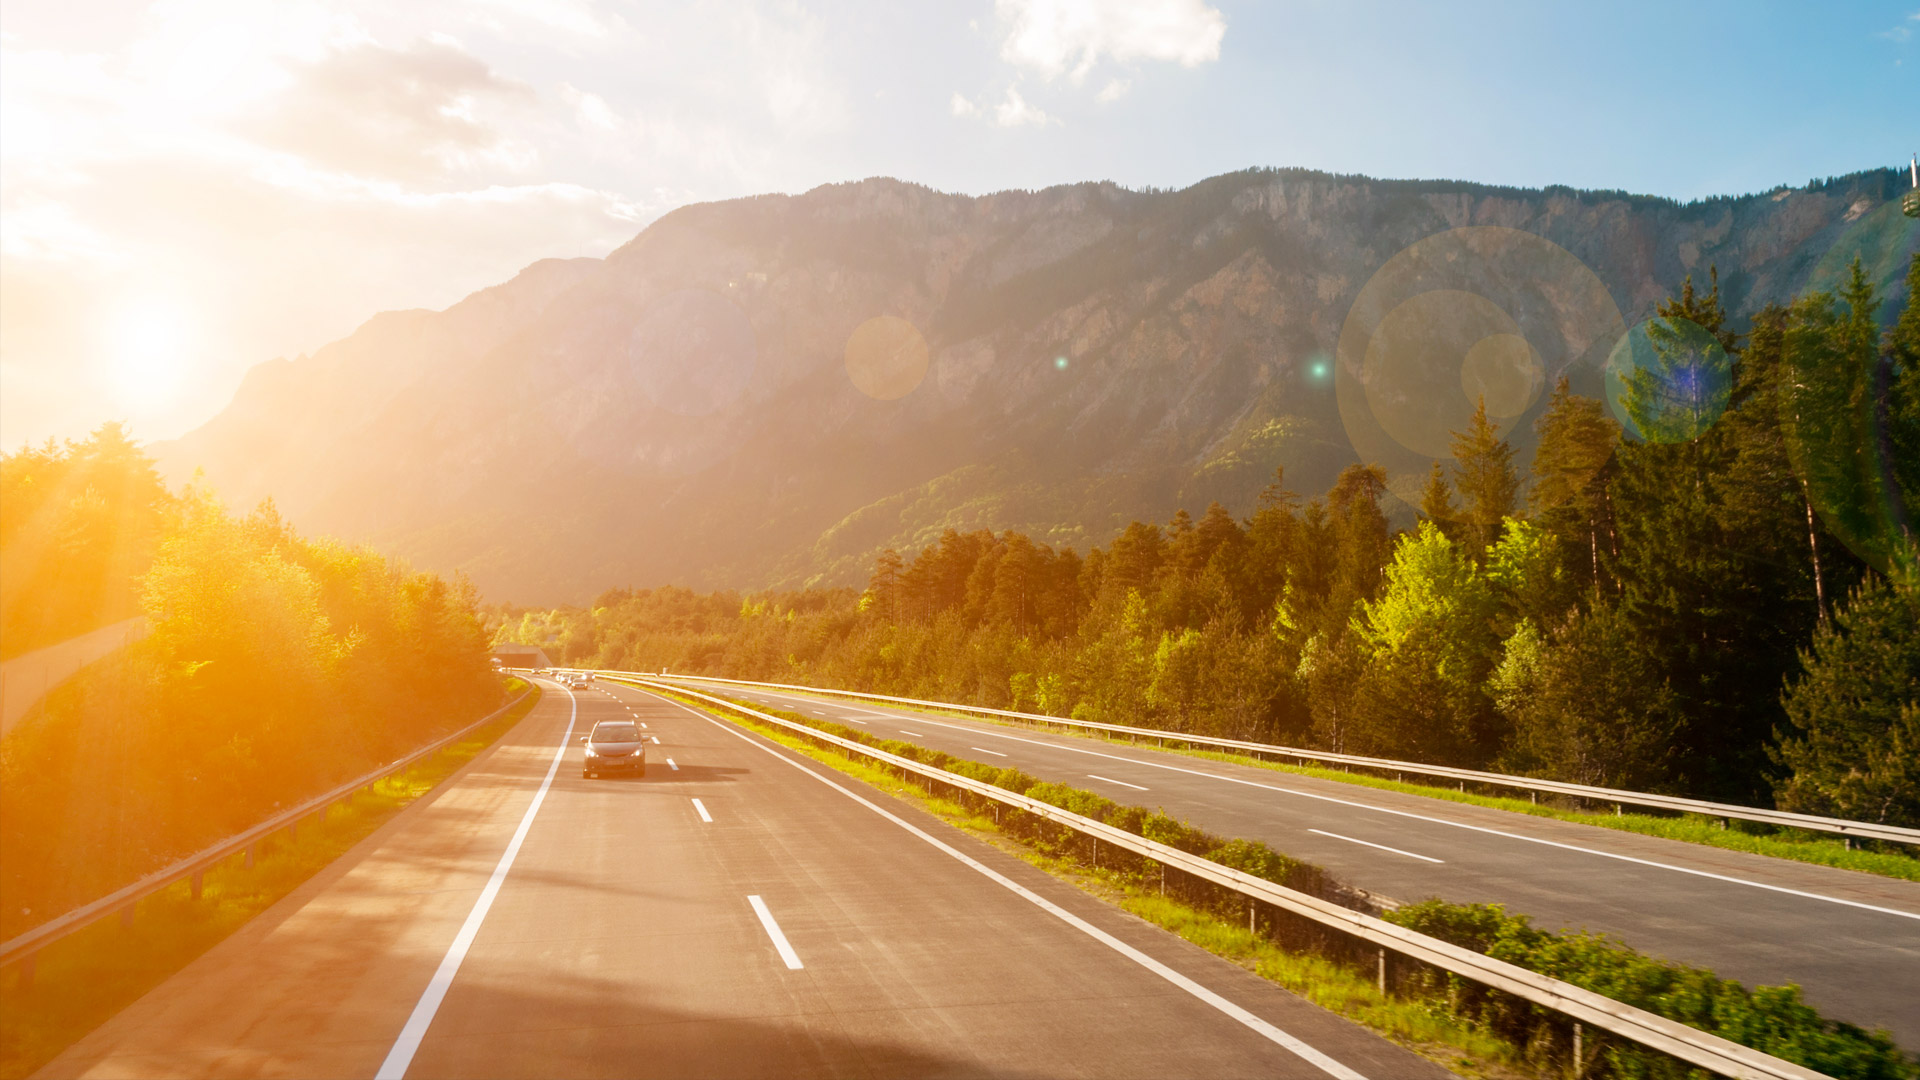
126	915
1577	1065
249	864
198	877
1383	973
26	970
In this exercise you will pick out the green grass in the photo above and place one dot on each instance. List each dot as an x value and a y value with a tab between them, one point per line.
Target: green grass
1454	1043
82	980
1758	839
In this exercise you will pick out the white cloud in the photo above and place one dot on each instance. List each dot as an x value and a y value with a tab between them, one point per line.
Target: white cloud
592	110
1015	112
1074	36
783	52
962	107
411	112
1113	91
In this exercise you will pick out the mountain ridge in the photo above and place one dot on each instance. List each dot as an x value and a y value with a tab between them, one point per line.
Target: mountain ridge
681	410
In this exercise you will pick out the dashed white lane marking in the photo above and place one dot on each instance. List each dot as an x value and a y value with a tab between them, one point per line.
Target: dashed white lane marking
1482	829
702	807
1371	844
1259	1026
672	766
655	738
1111	780
915	734
773	931
404	1047
984	750
643	723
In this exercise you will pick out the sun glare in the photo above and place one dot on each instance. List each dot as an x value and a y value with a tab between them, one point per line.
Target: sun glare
146	353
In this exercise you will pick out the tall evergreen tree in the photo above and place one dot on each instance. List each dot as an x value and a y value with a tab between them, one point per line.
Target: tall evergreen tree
1712	599
1569	497
1485	475
1436	501
1852	736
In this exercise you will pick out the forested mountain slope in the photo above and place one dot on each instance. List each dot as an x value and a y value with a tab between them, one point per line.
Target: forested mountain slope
712	403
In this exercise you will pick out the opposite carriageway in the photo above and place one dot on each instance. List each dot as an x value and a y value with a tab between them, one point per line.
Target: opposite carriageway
1851	940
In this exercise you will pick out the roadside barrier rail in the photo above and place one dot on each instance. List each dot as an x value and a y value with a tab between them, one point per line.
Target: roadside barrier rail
22	950
1858	830
1691	1045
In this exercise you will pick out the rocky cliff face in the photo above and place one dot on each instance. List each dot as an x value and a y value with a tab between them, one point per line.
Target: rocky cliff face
711	405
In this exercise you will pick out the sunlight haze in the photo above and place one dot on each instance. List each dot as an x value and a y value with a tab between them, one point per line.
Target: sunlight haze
194	187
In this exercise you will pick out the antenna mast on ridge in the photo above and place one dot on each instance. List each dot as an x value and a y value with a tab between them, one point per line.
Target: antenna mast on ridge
1910	202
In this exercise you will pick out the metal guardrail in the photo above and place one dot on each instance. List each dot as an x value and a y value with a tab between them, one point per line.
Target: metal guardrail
1583	1006
22	949
1862	830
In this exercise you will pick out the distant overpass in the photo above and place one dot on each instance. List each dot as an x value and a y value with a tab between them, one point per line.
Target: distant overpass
520	656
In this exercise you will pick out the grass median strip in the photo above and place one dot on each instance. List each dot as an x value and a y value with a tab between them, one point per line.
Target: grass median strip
1454	1022
1800	845
82	980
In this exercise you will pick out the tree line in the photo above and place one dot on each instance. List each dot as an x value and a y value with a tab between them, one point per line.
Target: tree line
1717	598
275	667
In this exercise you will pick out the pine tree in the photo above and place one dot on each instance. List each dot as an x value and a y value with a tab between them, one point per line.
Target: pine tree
883	585
1845	417
1570	475
1436	501
1712	596
1488	482
1852	737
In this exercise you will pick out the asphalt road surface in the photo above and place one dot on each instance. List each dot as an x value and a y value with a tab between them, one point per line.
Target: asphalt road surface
738	912
1850	940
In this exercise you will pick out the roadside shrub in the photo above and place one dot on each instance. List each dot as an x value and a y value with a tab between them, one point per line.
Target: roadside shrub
1771	1019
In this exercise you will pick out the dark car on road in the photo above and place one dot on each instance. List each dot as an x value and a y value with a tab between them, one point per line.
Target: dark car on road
616	747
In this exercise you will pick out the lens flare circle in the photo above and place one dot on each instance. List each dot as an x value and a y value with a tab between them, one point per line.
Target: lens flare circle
1668	381
693	352
1477	313
886	358
1432	357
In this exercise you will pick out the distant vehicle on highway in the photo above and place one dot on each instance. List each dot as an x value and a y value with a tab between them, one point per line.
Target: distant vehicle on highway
615	747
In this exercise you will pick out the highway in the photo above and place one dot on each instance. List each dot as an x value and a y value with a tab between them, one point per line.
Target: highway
1851	940
739	912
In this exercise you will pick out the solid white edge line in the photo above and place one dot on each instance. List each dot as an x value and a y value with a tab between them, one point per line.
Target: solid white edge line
404	1047
983	750
1435	820
773	931
1111	780
1265	1029
702	807
1382	847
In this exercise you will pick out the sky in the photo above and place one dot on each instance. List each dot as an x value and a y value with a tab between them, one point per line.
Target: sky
191	187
